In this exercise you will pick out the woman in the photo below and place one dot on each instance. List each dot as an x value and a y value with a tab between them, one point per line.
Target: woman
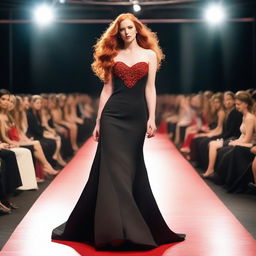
38	132
23	155
58	117
15	134
46	119
126	59
230	131
216	128
66	148
226	172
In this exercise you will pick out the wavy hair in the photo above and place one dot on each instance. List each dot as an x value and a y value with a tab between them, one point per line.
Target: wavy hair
110	43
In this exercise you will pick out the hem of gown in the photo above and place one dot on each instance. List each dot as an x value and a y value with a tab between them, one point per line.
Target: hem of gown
128	245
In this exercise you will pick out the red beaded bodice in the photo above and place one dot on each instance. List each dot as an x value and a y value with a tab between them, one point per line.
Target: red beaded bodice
130	75
13	133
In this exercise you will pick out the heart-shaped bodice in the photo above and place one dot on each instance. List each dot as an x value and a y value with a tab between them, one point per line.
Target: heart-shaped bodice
130	74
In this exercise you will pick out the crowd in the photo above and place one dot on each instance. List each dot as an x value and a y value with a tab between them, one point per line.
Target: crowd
39	134
216	132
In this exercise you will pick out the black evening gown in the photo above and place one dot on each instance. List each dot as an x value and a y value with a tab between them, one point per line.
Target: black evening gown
117	201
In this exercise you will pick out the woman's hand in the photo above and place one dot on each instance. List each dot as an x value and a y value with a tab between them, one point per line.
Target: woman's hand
96	132
14	144
233	143
4	145
253	150
151	128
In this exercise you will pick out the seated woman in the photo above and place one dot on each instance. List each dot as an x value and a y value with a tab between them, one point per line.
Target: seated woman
13	134
58	116
70	114
38	132
218	111
24	158
45	120
199	125
66	148
186	116
231	130
224	174
10	178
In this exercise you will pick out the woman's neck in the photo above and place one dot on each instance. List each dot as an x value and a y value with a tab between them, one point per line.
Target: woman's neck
245	112
131	46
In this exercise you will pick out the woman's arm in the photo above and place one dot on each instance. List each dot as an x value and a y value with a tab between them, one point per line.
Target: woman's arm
218	129
150	93
104	96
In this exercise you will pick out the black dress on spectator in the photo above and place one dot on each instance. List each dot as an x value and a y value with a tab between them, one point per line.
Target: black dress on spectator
9	174
233	169
36	130
194	145
231	130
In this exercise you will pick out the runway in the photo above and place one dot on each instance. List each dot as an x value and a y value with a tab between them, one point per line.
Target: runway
186	202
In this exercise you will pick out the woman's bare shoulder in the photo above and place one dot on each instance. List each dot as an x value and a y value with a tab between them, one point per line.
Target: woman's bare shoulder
250	117
150	53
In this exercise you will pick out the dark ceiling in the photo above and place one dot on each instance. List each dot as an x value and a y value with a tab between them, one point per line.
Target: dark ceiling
103	9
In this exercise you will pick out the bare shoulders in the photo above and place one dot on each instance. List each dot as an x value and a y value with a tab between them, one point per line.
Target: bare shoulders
250	117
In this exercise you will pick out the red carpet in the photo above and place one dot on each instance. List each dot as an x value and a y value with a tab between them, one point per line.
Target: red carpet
186	202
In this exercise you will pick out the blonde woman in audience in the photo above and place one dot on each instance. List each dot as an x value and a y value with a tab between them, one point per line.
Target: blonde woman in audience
18	135
215	127
247	138
186	116
70	115
197	125
23	155
52	105
232	123
50	131
58	116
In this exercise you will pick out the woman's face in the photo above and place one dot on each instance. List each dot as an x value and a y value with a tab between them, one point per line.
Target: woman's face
229	102
50	104
216	104
4	101
127	30
26	103
241	106
37	104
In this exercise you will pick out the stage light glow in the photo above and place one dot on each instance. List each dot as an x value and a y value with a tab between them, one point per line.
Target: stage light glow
215	14
43	15
136	7
62	1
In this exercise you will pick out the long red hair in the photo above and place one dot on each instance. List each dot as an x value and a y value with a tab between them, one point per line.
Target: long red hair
110	43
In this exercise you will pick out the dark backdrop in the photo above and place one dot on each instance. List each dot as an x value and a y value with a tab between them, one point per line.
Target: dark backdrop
57	58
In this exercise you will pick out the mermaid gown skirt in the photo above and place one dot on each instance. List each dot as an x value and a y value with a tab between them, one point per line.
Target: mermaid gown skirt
117	201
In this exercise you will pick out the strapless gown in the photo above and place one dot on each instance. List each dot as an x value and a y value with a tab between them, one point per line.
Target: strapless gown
117	201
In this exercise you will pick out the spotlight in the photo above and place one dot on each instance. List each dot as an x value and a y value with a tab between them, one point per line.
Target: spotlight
136	6
62	1
215	14
43	15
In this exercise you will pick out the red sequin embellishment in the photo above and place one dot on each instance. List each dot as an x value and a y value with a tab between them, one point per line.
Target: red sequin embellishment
130	75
